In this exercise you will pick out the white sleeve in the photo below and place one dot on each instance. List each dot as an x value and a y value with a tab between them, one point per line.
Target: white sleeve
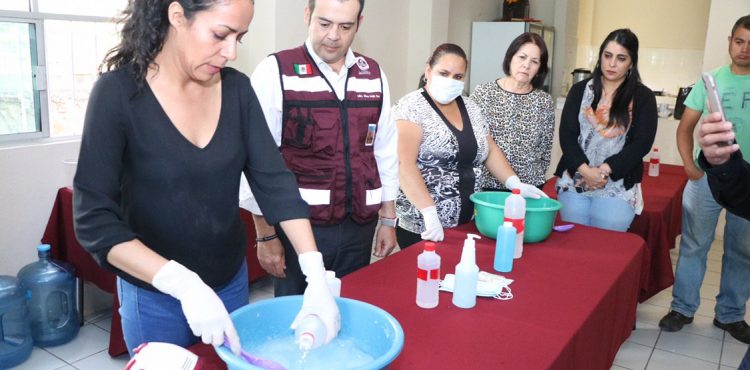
386	145
266	83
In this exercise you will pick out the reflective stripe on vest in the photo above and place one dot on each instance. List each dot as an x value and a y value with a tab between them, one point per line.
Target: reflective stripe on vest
327	142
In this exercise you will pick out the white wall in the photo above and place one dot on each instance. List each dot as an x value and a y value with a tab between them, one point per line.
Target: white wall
671	47
260	38
721	18
566	43
398	35
30	175
461	17
384	35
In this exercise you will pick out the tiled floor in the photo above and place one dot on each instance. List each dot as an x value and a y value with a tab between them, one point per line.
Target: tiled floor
88	351
699	345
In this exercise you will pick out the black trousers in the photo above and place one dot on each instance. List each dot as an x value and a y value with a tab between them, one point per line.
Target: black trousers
406	238
346	247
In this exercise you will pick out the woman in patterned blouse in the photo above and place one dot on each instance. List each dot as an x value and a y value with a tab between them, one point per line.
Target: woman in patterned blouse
443	143
520	116
608	124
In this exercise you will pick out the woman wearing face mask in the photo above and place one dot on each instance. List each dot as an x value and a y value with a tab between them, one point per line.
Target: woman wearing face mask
520	115
443	142
608	125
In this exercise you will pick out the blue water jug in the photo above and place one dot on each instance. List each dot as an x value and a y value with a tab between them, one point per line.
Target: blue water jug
51	287
15	333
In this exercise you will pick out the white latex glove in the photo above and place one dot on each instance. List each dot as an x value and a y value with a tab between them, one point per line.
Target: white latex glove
203	309
527	191
433	229
318	299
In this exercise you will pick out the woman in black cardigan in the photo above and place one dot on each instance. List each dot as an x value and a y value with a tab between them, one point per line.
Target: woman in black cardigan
608	125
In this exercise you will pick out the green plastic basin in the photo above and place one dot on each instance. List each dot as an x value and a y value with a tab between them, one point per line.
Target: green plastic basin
489	212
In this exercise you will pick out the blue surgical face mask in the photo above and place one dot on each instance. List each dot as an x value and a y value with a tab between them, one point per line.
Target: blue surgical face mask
444	89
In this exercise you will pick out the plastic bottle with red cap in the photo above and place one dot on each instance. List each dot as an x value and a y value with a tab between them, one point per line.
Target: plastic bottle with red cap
653	163
515	213
428	276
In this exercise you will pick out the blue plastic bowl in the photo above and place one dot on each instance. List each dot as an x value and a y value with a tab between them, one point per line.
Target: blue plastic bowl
371	328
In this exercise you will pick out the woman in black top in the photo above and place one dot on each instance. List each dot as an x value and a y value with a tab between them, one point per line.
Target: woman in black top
608	124
443	143
168	131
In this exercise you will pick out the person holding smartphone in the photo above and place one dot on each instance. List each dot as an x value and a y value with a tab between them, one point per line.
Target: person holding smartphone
728	173
700	212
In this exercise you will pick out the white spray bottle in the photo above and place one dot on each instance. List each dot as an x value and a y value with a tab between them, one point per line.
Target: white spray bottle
467	271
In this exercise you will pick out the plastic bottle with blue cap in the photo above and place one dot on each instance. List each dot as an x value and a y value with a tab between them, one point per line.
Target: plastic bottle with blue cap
51	287
15	333
505	246
467	273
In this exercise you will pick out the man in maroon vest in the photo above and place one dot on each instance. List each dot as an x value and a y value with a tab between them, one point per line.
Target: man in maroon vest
328	109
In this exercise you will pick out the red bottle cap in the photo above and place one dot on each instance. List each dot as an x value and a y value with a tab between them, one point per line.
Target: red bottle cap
516	191
429	247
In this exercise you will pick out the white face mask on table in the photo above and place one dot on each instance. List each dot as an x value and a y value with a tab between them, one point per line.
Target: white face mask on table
444	89
488	285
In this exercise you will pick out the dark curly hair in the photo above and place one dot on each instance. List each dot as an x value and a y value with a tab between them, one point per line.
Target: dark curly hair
144	27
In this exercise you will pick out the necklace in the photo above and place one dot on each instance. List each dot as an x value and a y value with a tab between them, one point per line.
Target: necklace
503	85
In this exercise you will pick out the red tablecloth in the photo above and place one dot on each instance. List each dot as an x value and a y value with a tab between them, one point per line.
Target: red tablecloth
574	304
60	235
658	224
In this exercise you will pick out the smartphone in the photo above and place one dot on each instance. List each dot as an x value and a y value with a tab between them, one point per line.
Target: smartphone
714	101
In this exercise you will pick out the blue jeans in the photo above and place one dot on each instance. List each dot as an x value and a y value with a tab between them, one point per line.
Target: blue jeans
149	316
700	213
604	213
745	364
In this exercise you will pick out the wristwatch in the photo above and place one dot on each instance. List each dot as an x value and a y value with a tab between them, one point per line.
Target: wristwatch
390	222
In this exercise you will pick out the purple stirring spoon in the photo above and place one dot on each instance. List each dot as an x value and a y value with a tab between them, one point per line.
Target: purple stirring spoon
563	228
256	361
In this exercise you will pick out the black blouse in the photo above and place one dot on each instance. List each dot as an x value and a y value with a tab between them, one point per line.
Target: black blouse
138	177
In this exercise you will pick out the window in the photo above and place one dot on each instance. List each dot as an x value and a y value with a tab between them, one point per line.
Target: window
49	59
74	50
19	100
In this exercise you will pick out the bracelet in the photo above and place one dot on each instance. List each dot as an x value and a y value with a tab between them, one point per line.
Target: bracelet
266	238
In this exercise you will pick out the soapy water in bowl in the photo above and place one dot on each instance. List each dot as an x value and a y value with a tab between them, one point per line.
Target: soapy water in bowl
341	353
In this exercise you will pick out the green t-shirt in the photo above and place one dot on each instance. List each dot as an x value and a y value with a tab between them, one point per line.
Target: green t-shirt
734	91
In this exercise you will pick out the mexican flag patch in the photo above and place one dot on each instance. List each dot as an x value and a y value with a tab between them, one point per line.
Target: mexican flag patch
303	69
